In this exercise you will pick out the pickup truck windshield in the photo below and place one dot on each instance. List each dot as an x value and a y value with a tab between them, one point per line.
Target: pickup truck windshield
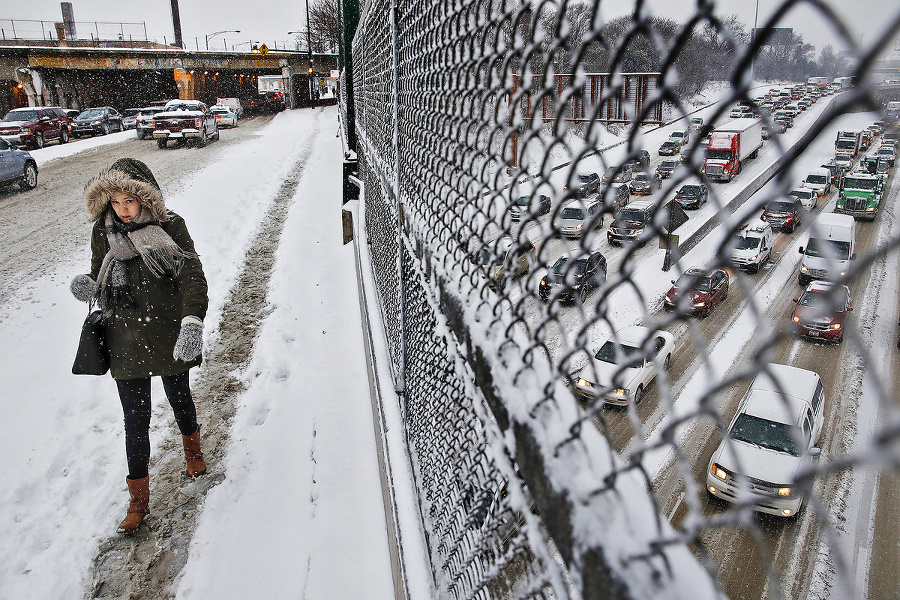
780	437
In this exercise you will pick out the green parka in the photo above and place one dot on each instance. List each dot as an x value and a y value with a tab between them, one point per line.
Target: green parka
141	339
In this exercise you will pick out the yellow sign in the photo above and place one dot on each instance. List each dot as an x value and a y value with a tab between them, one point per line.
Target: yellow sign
263	49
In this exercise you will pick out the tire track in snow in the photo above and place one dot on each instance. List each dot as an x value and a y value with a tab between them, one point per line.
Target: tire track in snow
148	563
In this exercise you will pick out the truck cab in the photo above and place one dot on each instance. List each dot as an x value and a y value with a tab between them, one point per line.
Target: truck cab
860	195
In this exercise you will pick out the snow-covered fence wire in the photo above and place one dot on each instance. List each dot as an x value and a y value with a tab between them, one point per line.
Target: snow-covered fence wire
528	489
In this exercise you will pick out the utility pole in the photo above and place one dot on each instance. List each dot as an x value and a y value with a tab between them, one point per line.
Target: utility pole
309	51
176	23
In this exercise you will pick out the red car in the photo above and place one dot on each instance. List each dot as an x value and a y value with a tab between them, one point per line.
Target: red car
821	311
783	214
697	291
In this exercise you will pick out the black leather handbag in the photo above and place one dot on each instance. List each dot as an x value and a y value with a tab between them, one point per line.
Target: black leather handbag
93	355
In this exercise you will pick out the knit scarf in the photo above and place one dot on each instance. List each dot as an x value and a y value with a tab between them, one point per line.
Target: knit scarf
143	238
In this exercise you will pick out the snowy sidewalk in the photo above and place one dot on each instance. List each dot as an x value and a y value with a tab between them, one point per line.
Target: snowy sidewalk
300	513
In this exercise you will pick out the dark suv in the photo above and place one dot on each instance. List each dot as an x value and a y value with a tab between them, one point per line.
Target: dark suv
34	126
99	120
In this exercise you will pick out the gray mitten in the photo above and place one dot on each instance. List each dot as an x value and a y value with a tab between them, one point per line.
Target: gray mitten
83	288
190	339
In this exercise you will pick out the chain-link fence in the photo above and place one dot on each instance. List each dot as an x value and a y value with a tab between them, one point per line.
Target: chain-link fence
577	428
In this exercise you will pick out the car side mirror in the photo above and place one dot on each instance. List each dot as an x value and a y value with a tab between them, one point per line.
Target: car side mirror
853	256
800	249
815	451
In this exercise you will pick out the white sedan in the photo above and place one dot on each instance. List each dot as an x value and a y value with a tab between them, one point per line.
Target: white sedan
625	366
224	116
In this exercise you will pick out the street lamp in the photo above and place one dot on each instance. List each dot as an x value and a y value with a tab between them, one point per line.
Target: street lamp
218	32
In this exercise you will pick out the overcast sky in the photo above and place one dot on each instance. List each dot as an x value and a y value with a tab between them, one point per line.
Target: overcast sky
270	20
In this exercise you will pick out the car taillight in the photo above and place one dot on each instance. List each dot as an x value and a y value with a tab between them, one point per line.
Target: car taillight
197	123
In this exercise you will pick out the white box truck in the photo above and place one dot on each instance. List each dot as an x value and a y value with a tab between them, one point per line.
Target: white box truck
730	146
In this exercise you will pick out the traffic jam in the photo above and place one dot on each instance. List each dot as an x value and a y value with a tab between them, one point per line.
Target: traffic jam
805	233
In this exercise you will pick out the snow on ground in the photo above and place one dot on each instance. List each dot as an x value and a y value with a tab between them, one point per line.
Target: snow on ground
300	507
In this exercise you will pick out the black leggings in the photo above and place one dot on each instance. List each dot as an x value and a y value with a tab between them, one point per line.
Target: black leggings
135	397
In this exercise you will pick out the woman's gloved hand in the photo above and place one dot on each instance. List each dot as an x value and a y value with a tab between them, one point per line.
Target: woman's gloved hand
83	288
190	339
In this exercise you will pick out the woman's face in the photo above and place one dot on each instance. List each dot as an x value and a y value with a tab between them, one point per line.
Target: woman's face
126	207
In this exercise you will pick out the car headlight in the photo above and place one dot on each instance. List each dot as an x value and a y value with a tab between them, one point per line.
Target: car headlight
576	287
834	327
579	226
719	472
804	269
95	122
785	491
620	391
795	319
584	383
699	303
669	298
543	282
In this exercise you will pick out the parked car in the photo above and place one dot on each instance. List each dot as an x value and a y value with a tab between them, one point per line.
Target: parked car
505	258
34	126
100	120
585	183
751	246
669	148
697	291
577	217
770	441
224	116
821	311
530	206
630	223
621	174
573	277
807	197
143	123
624	367
644	183
784	214
129	117
692	195
666	168
17	166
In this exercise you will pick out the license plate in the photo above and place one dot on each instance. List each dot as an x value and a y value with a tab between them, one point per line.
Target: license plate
814	334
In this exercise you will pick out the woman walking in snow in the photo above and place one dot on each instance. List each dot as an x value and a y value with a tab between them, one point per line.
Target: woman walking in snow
149	283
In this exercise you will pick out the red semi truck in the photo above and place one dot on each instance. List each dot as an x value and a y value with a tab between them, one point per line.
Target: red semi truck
730	146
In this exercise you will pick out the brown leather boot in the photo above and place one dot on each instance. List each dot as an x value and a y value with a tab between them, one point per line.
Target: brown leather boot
195	463
139	505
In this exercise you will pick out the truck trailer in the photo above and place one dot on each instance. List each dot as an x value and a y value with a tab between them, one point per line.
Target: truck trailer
730	146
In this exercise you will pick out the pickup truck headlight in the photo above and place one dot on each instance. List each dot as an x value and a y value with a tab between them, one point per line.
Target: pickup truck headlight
719	472
785	491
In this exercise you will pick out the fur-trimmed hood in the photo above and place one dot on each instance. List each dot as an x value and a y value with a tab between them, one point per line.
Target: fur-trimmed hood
127	175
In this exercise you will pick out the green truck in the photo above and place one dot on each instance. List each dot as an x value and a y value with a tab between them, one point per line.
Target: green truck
860	195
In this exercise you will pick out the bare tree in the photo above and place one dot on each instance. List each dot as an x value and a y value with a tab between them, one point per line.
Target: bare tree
324	25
